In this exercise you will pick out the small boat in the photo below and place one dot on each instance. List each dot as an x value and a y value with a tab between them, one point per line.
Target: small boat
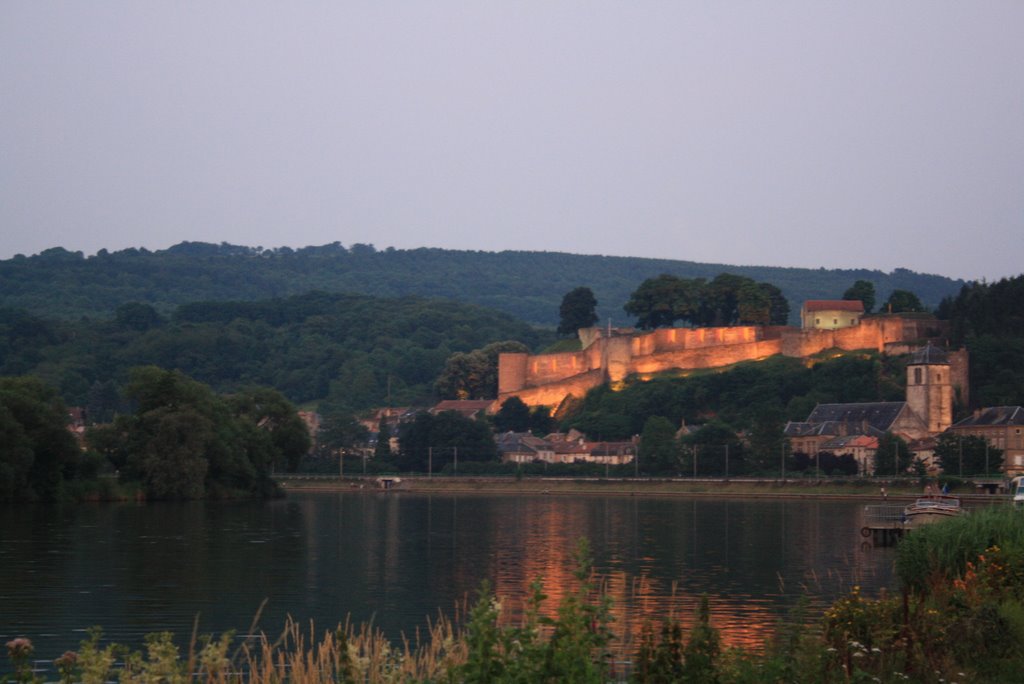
931	508
1017	487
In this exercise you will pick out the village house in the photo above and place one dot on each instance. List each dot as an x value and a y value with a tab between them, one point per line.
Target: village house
76	424
392	416
523	447
1001	427
861	448
830	314
468	408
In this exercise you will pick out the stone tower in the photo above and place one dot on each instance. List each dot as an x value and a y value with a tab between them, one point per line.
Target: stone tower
930	388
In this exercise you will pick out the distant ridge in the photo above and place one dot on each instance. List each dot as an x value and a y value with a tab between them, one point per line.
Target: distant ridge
526	284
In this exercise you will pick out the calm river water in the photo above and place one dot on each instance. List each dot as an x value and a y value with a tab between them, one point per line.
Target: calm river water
399	558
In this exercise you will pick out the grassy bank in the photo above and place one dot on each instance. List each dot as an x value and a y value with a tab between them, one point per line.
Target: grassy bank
745	488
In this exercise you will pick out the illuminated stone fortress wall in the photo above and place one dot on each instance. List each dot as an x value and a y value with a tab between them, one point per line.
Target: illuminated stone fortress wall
612	355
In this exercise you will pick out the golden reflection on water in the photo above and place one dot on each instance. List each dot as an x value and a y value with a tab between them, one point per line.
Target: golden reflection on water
535	538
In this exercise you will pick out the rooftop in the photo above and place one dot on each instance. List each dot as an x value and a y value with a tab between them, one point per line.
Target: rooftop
929	355
993	416
854	305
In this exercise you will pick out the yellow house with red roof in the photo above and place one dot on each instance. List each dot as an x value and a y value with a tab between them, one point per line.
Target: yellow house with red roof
830	314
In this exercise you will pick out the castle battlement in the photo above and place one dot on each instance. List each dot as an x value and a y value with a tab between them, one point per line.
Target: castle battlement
548	379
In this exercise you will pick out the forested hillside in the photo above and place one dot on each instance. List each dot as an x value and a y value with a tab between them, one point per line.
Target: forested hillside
351	351
527	285
989	319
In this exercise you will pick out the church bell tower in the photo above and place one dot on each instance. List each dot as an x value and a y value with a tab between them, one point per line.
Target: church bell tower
930	388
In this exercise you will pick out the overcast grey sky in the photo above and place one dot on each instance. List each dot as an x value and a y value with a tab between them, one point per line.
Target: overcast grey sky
843	135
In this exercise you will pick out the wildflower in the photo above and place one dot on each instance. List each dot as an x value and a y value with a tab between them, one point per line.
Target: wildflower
19	648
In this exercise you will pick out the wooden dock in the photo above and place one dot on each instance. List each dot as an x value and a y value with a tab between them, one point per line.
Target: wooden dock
884	524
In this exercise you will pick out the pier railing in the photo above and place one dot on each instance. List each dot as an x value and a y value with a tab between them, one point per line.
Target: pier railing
884	515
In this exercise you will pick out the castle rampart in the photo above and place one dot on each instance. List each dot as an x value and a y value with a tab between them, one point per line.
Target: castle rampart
611	356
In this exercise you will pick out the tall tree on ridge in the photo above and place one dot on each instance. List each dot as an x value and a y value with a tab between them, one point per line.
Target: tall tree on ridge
578	310
864	290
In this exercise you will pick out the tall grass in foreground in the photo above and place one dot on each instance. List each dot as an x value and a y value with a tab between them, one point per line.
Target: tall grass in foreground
960	618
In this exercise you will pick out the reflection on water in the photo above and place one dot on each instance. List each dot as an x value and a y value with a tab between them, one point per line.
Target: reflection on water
399	558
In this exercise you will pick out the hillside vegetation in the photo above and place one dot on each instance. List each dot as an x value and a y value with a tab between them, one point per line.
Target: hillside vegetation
989	319
351	351
527	285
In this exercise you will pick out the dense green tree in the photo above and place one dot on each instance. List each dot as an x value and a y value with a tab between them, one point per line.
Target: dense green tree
171	456
137	316
272	413
658	452
986	309
382	449
474	375
541	421
903	301
989	319
767	440
339	430
967	455
513	415
893	457
604	425
705	451
663	300
183	441
434	441
863	290
578	310
726	300
36	448
722	297
753	304
778	306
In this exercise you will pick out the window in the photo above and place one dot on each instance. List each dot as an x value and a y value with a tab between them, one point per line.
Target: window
817	321
938	377
917	376
835	321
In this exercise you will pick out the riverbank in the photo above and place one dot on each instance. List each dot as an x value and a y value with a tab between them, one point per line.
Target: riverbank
735	488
